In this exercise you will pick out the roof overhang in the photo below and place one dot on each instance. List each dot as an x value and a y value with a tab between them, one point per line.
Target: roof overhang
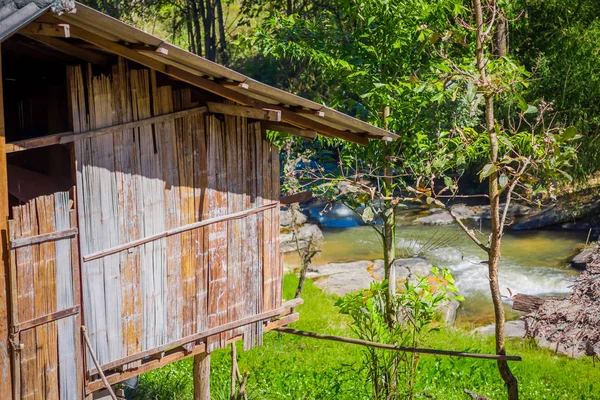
117	37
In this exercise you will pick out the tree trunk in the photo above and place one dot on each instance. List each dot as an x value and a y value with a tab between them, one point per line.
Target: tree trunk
389	256
495	239
197	31
500	42
303	272
222	41
202	376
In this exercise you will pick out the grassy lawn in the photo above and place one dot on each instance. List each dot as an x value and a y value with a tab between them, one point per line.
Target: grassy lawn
291	367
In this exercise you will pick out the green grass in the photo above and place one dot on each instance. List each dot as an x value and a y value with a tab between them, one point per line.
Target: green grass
291	367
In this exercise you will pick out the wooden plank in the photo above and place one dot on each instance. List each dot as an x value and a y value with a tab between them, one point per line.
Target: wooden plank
14	308
46	29
243	111
70	49
92	165
179	353
236	296
46	237
290	129
44	319
45	299
6	389
24	215
203	335
126	174
178	230
76	276
69	137
283	321
163	104
201	206
217	232
152	206
296	198
276	256
168	358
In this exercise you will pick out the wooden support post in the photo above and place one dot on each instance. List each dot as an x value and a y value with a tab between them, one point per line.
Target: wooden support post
5	368
202	376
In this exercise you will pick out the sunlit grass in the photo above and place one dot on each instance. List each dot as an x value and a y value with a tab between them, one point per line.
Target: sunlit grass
291	367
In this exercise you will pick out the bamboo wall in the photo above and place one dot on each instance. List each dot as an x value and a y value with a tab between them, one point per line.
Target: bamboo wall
140	190
44	280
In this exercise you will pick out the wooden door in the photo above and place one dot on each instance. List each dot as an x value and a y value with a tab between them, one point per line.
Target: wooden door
45	299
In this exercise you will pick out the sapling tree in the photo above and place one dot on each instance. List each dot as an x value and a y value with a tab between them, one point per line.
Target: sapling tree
526	152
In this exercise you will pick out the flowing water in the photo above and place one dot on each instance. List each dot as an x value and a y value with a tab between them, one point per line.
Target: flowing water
533	262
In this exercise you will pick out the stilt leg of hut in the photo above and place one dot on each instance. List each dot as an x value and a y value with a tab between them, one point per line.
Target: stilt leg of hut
202	376
5	371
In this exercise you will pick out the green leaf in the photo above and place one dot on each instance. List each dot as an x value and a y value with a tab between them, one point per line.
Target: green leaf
368	214
569	133
506	141
566	175
503	180
447	181
487	170
530	110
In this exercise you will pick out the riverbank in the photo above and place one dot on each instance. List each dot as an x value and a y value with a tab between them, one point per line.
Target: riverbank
289	367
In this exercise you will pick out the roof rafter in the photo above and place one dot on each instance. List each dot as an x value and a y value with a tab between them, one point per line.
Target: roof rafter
209	85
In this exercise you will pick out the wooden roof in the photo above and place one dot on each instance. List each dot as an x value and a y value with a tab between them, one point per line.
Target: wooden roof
114	36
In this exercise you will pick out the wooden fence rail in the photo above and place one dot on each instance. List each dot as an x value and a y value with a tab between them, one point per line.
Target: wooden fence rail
397	348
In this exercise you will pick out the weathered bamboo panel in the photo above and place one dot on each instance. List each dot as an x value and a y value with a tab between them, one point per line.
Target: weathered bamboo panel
43	278
143	182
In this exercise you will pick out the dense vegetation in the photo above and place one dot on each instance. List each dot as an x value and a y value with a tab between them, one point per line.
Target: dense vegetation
290	367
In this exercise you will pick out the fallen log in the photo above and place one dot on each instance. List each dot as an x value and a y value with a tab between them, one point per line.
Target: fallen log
527	303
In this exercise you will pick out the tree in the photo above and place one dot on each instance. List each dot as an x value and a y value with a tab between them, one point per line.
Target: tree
525	151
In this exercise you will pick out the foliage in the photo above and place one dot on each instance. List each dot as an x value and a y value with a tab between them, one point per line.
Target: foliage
559	42
393	376
291	367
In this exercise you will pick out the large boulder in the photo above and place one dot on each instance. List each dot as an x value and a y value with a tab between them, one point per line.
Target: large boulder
288	219
343	278
305	234
406	268
512	329
581	260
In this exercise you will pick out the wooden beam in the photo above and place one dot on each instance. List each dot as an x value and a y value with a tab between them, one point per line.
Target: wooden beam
398	348
292	130
146	48
212	86
243	111
5	350
296	198
44	319
68	137
202	376
300	110
70	49
45	237
45	29
264	316
178	230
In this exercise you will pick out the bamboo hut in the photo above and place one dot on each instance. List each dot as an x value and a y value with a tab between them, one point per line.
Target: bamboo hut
139	206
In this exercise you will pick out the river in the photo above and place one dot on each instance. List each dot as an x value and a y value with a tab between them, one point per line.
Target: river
533	262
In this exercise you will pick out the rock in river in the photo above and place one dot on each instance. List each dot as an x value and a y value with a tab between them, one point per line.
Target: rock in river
305	233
